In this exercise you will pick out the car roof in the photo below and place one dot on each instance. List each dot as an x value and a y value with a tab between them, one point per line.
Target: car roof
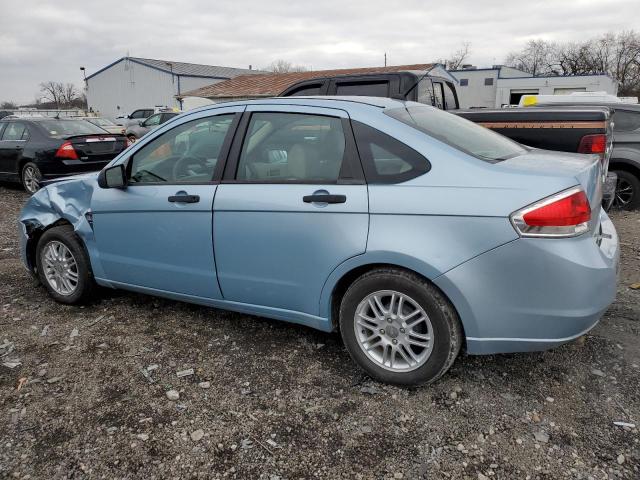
314	101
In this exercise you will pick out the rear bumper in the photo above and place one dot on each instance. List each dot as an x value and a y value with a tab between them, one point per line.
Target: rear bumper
532	293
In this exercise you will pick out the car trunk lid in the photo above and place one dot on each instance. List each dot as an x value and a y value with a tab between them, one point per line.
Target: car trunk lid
97	147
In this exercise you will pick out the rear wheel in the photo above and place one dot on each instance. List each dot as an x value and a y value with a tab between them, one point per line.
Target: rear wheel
63	266
627	195
399	328
30	177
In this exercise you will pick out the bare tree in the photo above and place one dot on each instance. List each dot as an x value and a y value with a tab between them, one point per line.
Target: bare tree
284	66
537	58
457	58
60	94
8	105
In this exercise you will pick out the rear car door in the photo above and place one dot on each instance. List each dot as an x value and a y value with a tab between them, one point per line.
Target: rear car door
292	206
156	232
12	142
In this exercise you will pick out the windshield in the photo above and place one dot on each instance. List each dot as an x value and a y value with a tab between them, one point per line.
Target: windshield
102	122
458	132
67	128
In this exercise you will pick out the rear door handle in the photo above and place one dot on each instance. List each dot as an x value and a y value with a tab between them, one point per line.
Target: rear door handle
324	198
184	198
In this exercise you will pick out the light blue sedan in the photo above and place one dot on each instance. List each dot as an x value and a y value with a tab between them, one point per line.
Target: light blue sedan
410	230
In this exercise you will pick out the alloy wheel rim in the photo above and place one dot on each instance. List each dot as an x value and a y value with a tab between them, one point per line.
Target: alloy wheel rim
31	179
624	193
393	331
60	268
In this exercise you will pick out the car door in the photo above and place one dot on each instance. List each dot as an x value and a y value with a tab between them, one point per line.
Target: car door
156	233
12	143
292	206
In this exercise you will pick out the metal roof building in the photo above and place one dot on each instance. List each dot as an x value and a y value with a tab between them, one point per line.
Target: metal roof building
130	83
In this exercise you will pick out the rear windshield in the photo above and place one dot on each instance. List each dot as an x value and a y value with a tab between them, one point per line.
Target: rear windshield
458	132
67	128
101	122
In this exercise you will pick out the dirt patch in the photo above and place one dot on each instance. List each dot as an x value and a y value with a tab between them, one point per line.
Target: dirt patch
286	402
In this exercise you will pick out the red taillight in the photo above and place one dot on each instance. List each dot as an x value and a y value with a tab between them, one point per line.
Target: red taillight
67	151
593	144
565	214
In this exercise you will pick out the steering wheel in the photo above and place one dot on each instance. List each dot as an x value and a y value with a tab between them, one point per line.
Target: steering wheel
181	167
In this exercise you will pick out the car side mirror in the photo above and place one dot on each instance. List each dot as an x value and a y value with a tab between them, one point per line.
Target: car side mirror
113	177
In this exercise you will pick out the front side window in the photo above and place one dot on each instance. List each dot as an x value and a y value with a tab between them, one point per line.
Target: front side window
15	131
138	114
449	97
459	133
187	153
385	159
292	147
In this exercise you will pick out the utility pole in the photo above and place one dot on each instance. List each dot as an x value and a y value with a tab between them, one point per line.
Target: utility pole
86	90
385	59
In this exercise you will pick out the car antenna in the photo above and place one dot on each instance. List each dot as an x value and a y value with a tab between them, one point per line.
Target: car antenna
404	95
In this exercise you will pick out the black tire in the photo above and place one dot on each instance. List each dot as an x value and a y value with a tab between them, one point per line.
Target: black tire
447	330
631	185
85	283
28	172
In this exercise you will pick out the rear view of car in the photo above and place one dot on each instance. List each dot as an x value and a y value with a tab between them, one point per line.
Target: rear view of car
34	150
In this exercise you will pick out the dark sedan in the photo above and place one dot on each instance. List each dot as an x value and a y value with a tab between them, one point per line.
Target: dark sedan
36	149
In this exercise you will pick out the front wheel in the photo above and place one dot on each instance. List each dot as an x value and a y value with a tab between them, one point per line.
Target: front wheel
399	328
30	176
63	266
627	194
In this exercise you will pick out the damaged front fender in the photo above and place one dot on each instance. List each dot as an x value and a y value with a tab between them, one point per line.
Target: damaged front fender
65	202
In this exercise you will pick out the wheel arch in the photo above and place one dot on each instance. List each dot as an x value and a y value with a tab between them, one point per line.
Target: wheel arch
626	165
34	237
341	278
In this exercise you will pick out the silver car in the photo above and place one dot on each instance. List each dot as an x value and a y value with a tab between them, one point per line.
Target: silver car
135	132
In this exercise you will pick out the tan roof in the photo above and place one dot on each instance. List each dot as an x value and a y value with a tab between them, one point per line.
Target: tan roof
271	84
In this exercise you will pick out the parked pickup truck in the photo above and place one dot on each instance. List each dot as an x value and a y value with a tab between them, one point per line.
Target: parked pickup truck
578	130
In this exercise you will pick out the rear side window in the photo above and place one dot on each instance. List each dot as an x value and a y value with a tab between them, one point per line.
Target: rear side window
15	131
292	148
367	89
385	159
306	90
624	121
459	133
449	97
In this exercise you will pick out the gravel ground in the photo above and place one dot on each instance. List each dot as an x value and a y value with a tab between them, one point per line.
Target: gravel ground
272	400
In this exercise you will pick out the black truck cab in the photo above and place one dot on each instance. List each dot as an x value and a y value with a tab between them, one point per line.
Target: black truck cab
404	85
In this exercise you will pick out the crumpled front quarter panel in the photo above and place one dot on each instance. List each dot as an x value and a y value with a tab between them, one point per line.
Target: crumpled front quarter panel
69	200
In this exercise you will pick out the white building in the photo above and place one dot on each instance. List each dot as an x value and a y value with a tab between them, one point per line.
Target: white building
500	85
131	83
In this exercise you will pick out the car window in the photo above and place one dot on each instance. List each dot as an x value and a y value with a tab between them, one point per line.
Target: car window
385	159
15	131
185	154
430	93
368	89
306	90
449	97
152	120
457	132
292	147
624	121
167	116
66	128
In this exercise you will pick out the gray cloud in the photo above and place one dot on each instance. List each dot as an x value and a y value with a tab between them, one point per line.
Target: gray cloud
43	40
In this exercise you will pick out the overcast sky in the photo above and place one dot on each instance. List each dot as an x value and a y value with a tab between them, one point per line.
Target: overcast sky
44	40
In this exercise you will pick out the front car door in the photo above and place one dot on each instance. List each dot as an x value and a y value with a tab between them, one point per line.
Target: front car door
155	234
291	207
